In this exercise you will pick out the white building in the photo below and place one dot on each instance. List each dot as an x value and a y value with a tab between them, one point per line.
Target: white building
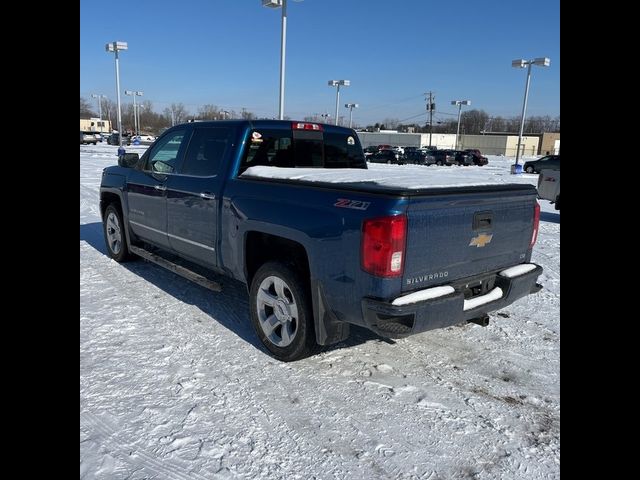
95	125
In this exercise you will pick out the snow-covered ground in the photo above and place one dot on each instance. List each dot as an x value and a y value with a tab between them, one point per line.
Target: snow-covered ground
173	383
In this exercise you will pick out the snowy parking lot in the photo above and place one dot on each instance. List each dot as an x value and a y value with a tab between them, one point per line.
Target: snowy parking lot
174	383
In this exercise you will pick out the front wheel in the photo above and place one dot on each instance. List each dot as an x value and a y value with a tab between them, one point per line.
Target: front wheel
558	203
529	170
114	235
439	163
281	312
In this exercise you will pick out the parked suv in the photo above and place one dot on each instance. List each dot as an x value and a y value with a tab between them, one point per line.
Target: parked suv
477	157
385	156
444	157
548	162
114	139
419	157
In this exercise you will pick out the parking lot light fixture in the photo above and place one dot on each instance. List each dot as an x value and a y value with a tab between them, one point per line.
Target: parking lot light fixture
351	106
521	63
337	83
283	47
459	103
116	47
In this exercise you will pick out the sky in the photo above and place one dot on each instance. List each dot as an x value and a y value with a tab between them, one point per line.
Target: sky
227	53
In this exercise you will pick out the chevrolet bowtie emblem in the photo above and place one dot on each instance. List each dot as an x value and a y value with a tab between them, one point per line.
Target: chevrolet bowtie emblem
481	240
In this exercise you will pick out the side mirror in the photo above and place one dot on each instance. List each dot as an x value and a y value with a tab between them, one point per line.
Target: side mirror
128	160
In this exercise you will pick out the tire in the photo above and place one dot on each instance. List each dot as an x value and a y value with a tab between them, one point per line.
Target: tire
114	235
529	169
439	163
558	203
281	312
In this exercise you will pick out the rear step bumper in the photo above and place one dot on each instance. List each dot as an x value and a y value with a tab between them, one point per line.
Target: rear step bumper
450	307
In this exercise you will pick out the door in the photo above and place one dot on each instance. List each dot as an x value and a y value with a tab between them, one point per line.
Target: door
193	195
147	189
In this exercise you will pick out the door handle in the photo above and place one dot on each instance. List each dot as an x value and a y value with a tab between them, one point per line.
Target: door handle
207	196
162	188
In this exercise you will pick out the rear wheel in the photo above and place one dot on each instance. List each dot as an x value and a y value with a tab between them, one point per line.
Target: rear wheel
114	235
281	312
558	203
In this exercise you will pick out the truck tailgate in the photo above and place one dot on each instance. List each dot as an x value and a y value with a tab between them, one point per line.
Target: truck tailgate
464	234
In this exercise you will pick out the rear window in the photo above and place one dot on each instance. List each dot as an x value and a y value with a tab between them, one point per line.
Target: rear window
302	148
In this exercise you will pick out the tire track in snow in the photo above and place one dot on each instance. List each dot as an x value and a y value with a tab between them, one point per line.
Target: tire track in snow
116	443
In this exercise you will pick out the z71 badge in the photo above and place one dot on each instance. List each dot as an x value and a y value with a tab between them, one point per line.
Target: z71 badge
355	204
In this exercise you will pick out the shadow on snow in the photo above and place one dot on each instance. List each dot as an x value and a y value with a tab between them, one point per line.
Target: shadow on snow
233	297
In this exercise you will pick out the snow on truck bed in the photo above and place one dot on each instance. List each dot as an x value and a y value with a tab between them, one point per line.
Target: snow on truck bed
406	177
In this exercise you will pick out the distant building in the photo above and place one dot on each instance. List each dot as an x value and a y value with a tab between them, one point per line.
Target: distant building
550	143
95	125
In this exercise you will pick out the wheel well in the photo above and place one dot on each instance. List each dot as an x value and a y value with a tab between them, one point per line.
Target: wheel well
107	199
263	247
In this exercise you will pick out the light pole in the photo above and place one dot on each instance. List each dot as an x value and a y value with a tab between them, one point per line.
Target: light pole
99	97
520	63
351	106
116	47
225	114
337	83
283	47
459	103
136	116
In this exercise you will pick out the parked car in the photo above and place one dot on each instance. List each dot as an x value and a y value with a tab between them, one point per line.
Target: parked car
114	139
462	158
419	157
143	139
88	137
444	157
368	151
478	158
385	156
549	162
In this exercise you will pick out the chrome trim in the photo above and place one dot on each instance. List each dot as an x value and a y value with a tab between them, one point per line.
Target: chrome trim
186	240
201	245
148	228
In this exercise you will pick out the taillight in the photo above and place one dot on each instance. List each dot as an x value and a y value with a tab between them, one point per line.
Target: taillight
306	126
383	245
536	224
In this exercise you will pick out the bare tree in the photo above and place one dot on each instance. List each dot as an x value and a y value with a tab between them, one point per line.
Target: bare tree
146	116
496	124
85	109
180	113
390	123
208	112
472	121
110	112
247	115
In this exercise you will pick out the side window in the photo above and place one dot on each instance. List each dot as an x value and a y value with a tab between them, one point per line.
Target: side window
207	148
164	156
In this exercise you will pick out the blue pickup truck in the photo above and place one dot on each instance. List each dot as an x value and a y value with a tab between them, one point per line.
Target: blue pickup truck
317	256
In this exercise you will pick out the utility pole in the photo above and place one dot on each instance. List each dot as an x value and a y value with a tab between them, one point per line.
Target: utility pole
430	108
